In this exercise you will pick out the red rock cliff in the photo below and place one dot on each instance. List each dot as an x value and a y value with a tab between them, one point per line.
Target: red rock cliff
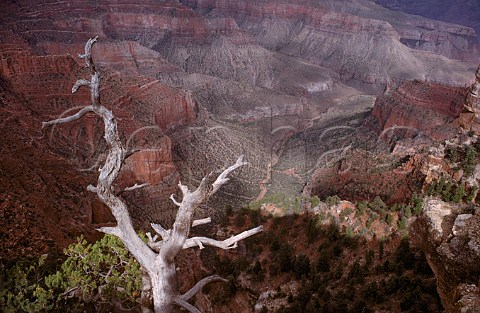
419	107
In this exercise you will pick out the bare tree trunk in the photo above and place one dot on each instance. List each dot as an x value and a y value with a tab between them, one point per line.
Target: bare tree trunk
146	299
157	258
164	283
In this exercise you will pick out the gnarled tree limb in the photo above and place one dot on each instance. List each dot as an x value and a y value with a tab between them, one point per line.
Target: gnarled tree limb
79	83
68	119
222	178
164	233
111	168
199	285
132	188
88	54
226	244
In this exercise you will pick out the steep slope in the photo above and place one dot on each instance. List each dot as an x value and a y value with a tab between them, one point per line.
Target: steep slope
43	206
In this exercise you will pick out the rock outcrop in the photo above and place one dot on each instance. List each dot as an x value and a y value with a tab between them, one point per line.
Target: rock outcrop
450	237
469	119
418	108
363	42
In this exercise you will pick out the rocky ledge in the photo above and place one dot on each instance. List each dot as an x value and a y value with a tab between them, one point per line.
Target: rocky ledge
450	237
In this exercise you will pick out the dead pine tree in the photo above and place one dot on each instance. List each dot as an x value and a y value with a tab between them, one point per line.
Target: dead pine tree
157	257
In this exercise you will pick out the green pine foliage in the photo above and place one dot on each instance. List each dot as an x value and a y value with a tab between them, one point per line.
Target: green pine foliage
402	223
92	275
333	200
20	292
469	162
471	195
103	271
458	194
448	190
417	203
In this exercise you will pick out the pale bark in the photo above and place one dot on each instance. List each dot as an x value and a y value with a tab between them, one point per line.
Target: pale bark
201	222
226	244
146	299
157	258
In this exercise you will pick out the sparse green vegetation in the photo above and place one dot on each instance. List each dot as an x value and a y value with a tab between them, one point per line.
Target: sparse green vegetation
469	162
332	200
91	276
319	264
388	218
361	207
288	204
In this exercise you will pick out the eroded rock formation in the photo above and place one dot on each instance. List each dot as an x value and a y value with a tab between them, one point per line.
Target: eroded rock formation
469	119
418	108
264	64
450	237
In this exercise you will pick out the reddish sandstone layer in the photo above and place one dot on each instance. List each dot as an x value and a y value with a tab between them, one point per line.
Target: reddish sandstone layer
148	22
419	107
311	14
127	57
43	204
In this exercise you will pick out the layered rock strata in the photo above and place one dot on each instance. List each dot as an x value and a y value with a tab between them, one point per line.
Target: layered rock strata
418	108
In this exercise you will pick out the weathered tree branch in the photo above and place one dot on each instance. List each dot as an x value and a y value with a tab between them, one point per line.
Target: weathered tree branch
88	54
132	188
199	285
226	244
172	197
109	171
130	152
222	178
201	222
165	234
150	238
110	230
68	119
79	83
92	188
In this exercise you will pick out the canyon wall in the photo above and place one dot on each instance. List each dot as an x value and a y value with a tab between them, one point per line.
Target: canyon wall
449	235
418	108
358	39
